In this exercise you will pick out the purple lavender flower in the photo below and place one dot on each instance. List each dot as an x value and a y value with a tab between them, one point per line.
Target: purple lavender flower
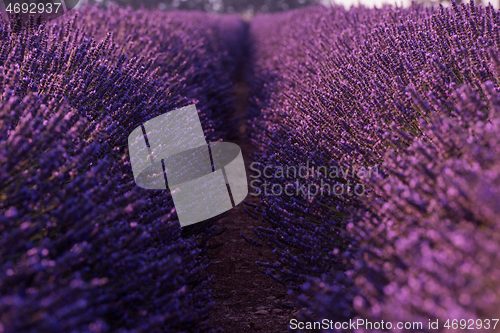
81	247
413	91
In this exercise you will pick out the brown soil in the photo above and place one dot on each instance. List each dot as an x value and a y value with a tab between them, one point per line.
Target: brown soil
246	300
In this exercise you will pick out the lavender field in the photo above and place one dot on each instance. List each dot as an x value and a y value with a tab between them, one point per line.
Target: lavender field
410	92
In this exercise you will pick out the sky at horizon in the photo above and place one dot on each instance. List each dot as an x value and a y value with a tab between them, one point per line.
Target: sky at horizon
378	3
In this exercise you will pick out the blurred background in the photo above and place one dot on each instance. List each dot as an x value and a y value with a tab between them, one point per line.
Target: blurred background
251	7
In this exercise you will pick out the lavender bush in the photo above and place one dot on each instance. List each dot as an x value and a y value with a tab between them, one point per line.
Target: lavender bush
410	91
82	248
428	248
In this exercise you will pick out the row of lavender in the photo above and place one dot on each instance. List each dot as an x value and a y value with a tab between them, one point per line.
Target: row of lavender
82	249
413	94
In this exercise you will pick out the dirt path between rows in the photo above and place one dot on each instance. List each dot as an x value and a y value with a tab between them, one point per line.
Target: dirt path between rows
246	300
